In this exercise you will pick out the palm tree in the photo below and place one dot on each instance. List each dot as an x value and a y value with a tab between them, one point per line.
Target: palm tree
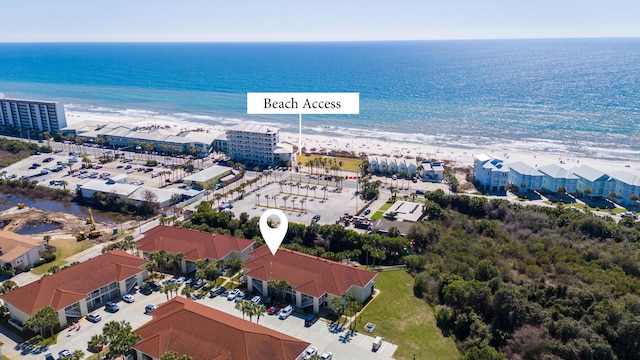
258	199
243	306
267	197
613	195
293	204
587	192
275	200
302	204
298	184
259	310
324	188
187	291
285	198
523	186
314	190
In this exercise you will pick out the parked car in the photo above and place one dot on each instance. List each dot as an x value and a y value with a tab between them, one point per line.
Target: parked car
241	295
311	319
285	312
233	294
155	286
180	280
111	307
216	290
146	290
49	357
315	218
198	284
149	308
128	298
311	351
94	318
326	356
273	309
367	212
256	299
65	353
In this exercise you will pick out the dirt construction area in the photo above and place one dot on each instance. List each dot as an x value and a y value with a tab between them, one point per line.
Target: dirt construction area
36	221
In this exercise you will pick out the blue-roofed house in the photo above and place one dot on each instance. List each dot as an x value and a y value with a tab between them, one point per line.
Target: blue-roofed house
556	176
490	173
523	174
627	185
600	184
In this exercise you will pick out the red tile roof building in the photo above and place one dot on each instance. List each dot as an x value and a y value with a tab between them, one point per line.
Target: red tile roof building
313	281
204	333
99	280
194	244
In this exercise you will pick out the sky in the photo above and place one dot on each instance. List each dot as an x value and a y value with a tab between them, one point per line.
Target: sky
326	20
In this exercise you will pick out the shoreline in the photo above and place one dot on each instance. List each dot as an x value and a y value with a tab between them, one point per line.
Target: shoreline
534	152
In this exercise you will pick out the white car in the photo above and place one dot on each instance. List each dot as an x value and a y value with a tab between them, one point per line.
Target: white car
285	312
327	355
232	294
128	298
311	350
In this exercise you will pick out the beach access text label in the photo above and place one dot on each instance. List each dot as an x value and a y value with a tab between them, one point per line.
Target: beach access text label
303	103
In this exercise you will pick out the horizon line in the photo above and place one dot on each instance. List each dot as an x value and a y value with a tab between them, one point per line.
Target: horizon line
308	41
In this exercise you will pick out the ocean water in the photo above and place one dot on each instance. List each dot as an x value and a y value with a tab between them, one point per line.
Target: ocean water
576	95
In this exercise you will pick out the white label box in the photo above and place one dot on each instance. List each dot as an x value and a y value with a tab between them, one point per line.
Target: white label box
303	103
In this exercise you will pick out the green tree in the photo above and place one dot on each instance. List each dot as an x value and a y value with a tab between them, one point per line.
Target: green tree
8	285
172	355
45	318
243	306
120	336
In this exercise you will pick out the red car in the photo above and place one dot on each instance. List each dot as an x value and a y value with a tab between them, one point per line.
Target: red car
273	309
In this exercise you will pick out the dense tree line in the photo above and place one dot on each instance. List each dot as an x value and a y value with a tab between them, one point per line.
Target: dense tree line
529	282
329	241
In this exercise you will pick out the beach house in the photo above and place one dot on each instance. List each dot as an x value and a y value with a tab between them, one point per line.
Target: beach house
598	183
524	177
490	174
19	251
311	281
555	176
431	171
204	333
195	245
76	291
390	165
627	187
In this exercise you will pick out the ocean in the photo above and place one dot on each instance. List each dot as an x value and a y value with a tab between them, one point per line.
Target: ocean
580	96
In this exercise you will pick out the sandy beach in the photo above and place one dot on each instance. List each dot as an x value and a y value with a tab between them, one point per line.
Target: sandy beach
538	153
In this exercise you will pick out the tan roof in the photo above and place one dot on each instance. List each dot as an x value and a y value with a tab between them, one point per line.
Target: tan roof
204	333
195	245
13	245
73	284
308	274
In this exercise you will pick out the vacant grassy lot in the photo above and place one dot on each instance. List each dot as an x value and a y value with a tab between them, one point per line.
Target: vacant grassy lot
64	249
8	157
405	320
349	164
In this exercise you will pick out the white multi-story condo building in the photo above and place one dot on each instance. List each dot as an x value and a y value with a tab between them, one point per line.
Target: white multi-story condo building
491	173
599	183
30	115
556	176
627	185
522	174
256	144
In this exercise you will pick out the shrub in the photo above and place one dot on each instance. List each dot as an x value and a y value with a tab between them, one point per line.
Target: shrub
49	257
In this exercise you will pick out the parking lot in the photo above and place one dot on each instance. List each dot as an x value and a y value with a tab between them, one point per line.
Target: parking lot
47	173
343	344
323	335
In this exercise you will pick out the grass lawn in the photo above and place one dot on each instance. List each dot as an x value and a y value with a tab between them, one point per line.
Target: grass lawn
405	320
64	249
349	164
380	213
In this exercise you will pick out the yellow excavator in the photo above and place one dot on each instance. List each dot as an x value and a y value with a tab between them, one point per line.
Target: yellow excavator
93	232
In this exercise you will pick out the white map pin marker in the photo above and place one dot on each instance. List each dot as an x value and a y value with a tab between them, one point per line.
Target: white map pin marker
273	236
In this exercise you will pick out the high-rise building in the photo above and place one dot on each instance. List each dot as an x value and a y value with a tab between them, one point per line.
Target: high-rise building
257	145
30	115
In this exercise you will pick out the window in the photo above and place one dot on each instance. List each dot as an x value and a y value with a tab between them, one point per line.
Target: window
19	260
